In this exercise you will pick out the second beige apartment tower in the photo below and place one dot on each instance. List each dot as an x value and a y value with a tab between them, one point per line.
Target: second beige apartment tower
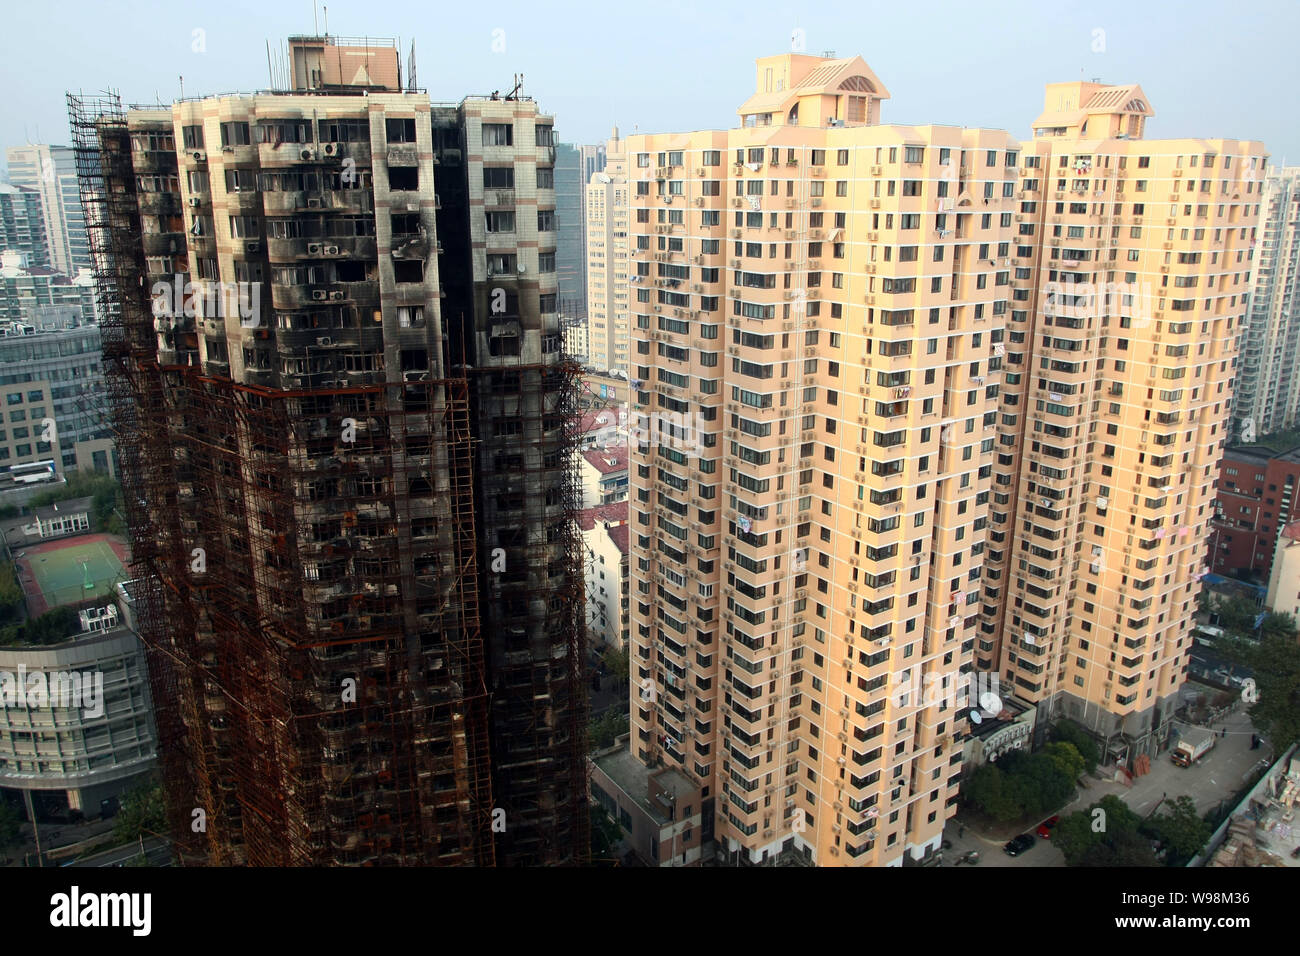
925	412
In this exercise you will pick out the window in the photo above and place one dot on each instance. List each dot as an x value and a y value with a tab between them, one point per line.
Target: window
235	134
501	221
400	130
497	177
499	134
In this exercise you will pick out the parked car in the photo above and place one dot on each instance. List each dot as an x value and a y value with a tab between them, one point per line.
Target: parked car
1019	845
1047	826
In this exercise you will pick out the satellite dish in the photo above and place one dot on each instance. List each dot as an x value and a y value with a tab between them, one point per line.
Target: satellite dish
991	702
975	717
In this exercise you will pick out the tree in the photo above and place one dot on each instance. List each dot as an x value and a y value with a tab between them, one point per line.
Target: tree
1067	757
603	732
1235	613
1108	838
617	663
11	595
1070	732
1278	623
1275	662
52	627
1019	784
11	824
1180	829
988	791
142	813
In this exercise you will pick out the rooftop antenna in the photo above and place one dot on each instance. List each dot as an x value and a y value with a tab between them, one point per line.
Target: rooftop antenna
270	74
314	22
519	82
182	82
327	19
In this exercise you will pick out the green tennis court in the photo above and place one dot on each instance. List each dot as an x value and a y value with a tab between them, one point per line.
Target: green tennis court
67	575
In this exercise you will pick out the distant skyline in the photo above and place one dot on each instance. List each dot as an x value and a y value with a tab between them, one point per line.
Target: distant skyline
685	67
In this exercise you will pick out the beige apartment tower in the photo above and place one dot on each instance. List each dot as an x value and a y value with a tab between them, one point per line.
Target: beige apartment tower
884	467
606	203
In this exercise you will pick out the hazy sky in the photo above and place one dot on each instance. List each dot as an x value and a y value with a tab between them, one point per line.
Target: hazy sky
1209	68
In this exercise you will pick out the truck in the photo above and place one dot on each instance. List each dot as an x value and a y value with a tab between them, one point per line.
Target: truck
1195	743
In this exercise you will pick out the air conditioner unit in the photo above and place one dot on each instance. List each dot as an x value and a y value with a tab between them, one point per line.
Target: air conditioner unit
252	247
313	202
307	154
313	248
324	340
336	295
199	156
331	149
331	250
319	295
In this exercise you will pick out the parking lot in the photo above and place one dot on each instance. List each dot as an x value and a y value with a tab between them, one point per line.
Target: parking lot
1219	775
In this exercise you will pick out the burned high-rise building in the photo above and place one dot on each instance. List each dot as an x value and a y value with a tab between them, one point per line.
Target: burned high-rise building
334	364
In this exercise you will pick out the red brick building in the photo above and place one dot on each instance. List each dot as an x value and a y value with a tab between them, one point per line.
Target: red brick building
1255	499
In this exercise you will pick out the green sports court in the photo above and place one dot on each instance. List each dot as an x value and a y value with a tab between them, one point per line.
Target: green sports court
70	571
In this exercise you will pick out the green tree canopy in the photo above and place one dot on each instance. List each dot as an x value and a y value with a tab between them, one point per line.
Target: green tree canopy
11	822
11	595
1068	731
52	627
1108	838
1020	785
603	732
1180	828
1275	661
142	813
616	662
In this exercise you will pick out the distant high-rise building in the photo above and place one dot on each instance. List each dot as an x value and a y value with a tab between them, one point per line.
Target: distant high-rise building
52	172
52	375
1268	383
43	298
22	225
607	210
925	419
334	357
570	262
574	166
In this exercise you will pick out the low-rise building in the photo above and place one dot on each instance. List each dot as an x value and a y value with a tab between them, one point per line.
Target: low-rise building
76	727
1254	500
57	520
1284	579
1012	728
604	476
605	539
602	428
658	809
